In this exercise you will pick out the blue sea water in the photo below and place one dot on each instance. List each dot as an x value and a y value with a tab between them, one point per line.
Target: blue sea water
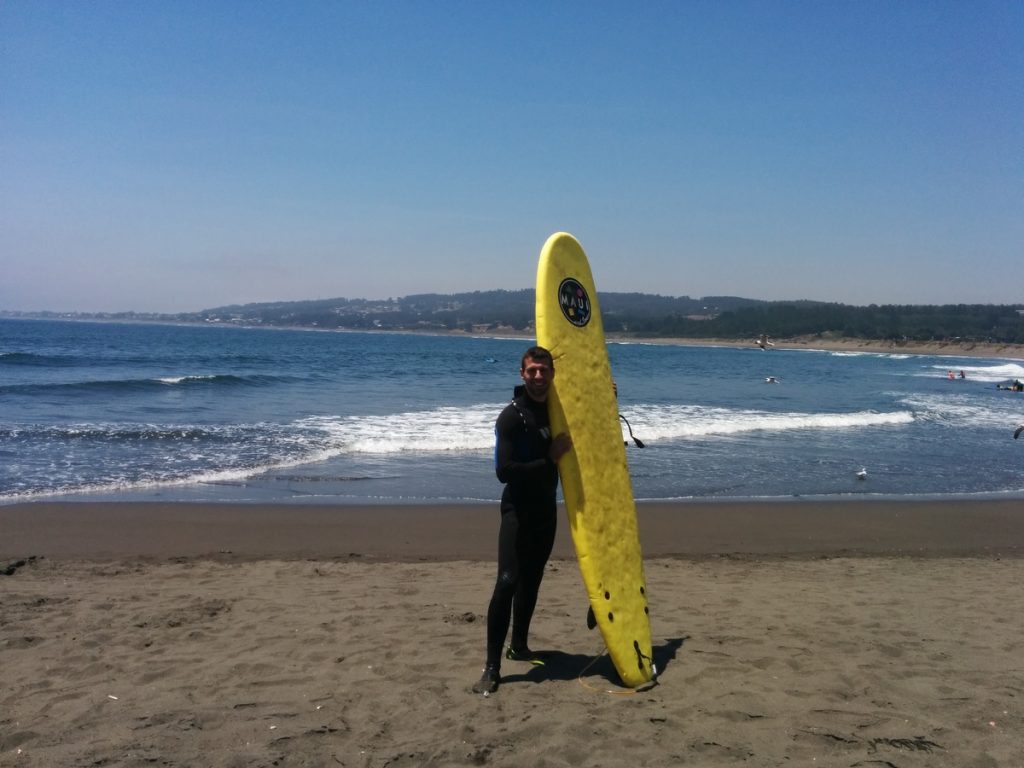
92	411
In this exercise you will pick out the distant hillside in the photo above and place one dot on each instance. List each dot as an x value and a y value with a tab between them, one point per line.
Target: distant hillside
640	314
471	312
625	314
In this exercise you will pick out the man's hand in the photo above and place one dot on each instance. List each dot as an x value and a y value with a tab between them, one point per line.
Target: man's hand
560	446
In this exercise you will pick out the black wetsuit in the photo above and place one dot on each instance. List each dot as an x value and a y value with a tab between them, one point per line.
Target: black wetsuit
528	519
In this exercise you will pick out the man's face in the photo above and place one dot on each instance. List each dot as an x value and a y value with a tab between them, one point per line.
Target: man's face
537	376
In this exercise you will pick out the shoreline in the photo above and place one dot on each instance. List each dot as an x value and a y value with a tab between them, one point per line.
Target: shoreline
930	348
802	529
874	346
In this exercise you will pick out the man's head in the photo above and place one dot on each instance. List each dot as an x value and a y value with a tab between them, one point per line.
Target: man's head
537	370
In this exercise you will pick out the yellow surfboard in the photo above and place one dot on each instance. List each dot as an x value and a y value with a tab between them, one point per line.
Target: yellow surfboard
595	476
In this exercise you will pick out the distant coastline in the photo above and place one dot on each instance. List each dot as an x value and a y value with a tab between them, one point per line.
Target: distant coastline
870	346
935	348
828	343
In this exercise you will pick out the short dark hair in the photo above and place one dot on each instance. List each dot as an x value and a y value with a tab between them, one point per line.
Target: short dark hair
539	354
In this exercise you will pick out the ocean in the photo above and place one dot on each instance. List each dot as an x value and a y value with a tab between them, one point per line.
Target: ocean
146	412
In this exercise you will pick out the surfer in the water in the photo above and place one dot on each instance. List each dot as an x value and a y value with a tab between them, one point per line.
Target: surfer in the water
526	460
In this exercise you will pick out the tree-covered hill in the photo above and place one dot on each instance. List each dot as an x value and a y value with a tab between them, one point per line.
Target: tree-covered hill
638	314
627	314
964	322
480	310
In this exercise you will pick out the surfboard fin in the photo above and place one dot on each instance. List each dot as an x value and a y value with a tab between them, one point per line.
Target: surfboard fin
634	438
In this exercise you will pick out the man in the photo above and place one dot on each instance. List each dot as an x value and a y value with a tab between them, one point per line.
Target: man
526	459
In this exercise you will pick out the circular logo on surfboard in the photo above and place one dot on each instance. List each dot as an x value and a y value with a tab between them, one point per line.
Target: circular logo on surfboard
574	301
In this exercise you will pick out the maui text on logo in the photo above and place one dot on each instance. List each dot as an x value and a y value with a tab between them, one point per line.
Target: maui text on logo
575	303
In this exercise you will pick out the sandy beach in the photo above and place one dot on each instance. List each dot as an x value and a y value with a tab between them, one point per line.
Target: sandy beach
797	633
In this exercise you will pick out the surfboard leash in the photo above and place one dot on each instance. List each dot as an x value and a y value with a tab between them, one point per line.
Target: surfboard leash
639	443
591	688
608	691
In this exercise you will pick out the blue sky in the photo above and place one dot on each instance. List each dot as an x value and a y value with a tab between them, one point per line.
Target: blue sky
172	156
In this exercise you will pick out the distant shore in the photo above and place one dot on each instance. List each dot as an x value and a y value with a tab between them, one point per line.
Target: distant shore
937	348
945	348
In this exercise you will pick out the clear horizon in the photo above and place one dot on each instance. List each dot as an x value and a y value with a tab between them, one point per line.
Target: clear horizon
173	158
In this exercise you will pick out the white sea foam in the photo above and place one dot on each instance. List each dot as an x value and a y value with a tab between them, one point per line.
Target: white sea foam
472	429
886	355
687	421
964	410
181	379
435	430
992	374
